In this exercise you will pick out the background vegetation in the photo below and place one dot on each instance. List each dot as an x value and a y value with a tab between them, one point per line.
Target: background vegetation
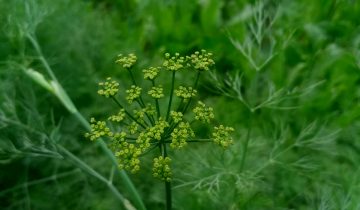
287	79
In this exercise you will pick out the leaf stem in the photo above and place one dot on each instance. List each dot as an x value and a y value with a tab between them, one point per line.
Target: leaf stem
95	174
37	47
128	183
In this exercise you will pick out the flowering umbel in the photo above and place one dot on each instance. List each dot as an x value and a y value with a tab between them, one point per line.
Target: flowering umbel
134	131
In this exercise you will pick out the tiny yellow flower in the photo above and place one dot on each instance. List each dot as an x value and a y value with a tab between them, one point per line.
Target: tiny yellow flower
156	92
222	137
126	61
161	168
108	88
185	92
201	61
133	93
151	73
118	117
203	113
173	63
180	134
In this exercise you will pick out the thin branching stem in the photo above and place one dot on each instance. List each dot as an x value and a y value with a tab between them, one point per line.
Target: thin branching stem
186	106
157	108
128	113
149	117
195	86
181	104
171	94
199	140
140	101
156	101
150	149
193	140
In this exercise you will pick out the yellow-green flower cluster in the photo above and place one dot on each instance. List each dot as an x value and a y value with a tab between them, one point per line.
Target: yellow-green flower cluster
140	114
158	129
133	93
180	134
161	168
133	128
98	129
118	117
151	73
126	61
143	140
127	154
117	140
140	128
203	113
128	157
201	61
222	136
156	92
108	88
176	116
173	63
150	109
185	92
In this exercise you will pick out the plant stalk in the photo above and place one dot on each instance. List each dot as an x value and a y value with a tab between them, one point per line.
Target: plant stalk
128	183
168	196
98	176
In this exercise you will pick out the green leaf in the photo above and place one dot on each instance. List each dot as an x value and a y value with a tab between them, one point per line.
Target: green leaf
40	79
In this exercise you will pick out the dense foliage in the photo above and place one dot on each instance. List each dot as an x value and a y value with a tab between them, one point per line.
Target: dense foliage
286	77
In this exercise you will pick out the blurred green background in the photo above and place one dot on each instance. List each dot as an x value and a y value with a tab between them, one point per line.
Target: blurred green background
287	78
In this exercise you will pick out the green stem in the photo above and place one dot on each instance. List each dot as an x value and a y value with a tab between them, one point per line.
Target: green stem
193	140
157	108
157	102
200	140
140	101
195	86
171	94
150	149
167	186
41	181
244	153
150	118
181	104
132	77
95	174
128	183
37	47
